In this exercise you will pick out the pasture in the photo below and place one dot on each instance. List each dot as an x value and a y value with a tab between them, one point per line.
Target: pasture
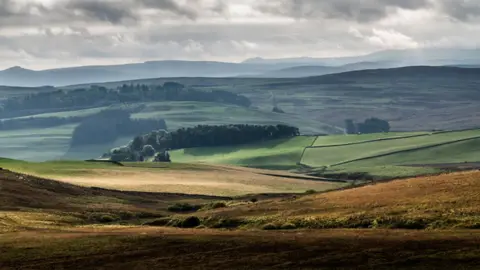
277	154
41	144
171	178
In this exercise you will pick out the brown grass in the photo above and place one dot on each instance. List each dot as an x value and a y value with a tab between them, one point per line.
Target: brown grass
445	201
211	180
40	228
152	248
27	201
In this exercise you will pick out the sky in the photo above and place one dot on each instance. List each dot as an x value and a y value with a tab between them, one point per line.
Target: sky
42	34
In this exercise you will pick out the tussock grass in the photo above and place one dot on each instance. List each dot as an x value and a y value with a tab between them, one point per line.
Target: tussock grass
433	202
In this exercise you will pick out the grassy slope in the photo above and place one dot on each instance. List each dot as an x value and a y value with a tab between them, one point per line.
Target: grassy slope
36	144
417	98
466	151
187	114
27	201
350	139
278	154
327	156
53	143
47	240
444	201
175	178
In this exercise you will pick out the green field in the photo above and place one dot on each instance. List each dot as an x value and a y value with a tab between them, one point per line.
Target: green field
379	155
351	139
36	144
277	154
188	114
41	144
337	155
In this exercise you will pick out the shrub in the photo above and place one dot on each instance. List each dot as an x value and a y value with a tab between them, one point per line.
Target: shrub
223	223
288	226
148	151
103	217
183	207
215	205
310	191
107	219
253	200
158	222
190	222
269	227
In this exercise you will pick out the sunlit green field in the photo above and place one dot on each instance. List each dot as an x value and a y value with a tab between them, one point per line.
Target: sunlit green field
389	149
278	154
53	143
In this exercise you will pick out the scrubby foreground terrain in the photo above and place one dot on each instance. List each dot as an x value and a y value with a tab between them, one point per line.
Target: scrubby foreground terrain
45	224
153	248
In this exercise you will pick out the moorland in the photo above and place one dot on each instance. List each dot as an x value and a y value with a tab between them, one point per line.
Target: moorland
263	173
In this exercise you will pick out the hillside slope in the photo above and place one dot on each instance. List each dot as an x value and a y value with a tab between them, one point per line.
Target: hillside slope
415	98
172	178
444	201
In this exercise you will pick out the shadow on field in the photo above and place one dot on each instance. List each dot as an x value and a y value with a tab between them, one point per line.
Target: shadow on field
223	150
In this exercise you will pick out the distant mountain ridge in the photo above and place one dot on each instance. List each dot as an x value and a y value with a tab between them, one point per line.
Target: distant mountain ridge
408	57
256	67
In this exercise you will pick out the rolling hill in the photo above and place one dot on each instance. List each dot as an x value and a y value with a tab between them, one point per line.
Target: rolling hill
172	178
310	71
53	225
412	98
443	201
19	76
405	57
362	157
277	154
40	144
91	74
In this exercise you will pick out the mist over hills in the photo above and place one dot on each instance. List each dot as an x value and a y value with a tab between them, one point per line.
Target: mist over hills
256	67
408	57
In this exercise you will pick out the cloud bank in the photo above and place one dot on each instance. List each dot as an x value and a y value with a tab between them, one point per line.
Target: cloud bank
50	33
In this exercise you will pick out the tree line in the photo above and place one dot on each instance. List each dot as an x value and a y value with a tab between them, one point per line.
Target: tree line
98	96
371	125
200	136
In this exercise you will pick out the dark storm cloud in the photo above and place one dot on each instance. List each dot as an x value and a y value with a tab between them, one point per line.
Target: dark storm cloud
171	6
463	10
113	12
352	10
14	13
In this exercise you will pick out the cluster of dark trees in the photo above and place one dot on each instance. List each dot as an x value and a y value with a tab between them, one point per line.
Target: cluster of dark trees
371	125
108	125
96	96
220	135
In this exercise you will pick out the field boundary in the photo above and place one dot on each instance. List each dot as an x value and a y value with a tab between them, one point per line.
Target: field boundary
371	141
305	149
105	161
405	151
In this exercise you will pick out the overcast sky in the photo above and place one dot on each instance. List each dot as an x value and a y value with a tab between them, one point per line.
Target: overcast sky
41	34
